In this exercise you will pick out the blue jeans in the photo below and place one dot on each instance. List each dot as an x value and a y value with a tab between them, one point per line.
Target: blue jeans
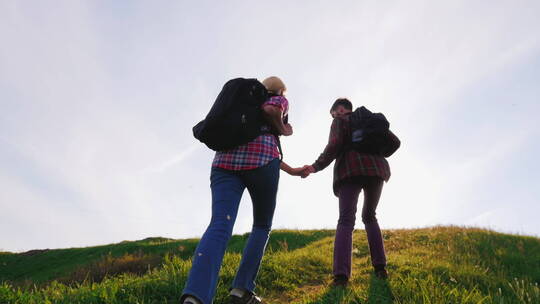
227	189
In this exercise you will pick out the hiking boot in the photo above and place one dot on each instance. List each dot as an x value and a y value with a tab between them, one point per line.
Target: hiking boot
380	272
340	280
248	298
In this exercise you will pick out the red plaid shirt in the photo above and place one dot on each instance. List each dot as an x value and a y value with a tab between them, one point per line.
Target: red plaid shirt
349	163
255	153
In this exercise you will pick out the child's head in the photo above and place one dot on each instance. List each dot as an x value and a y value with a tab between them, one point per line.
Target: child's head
341	107
274	85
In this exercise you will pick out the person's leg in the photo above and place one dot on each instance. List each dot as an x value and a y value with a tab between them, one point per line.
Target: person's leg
227	189
262	184
372	193
348	199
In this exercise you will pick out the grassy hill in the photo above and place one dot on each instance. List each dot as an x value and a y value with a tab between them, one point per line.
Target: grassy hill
431	265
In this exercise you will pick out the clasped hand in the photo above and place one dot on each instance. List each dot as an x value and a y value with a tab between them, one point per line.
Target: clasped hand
303	172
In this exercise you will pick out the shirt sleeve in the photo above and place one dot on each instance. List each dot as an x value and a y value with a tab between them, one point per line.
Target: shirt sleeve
277	101
334	146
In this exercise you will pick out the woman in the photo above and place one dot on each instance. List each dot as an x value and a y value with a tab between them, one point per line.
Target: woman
353	172
254	166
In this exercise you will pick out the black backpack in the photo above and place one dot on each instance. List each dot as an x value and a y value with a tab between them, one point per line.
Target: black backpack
370	133
236	116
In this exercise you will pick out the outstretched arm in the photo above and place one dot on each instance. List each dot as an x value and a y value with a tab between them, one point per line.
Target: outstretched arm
301	171
332	149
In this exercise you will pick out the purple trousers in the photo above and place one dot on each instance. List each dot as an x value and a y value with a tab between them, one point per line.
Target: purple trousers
348	201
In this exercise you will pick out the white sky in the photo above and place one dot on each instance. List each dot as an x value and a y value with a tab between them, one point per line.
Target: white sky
98	99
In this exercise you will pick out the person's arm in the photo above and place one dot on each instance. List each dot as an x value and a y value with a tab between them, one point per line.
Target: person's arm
332	149
274	115
294	171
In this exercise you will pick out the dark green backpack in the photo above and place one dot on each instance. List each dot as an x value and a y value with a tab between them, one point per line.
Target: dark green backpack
370	133
236	116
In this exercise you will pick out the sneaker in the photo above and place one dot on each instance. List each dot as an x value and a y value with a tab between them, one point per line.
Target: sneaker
190	300
248	298
340	280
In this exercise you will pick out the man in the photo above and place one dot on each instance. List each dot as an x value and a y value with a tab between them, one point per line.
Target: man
353	172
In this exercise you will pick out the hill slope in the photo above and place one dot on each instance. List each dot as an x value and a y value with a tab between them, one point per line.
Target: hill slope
431	265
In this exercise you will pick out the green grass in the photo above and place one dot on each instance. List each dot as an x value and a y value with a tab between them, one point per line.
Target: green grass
41	268
431	265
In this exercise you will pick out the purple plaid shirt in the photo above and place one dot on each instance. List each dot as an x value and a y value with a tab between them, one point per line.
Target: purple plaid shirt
255	153
349	163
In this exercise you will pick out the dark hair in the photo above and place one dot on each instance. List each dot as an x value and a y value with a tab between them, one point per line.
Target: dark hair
347	104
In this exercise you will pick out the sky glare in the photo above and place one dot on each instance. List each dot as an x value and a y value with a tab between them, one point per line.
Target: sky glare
98	100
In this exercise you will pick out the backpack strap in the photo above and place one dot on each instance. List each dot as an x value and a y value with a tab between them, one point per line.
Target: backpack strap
279	147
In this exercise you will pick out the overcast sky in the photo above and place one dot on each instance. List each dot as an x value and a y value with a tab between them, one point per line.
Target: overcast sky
98	99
